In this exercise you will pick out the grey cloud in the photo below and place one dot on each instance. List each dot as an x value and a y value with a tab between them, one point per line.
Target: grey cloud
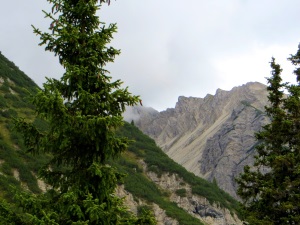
169	48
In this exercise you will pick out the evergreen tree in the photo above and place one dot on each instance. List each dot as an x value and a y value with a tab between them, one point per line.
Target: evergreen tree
270	190
83	110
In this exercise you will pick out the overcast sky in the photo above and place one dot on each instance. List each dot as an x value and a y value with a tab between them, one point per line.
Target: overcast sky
171	47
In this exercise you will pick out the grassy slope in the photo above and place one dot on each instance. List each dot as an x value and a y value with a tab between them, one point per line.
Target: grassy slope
15	88
157	161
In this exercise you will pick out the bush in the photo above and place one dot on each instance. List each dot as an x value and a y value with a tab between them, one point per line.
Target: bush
181	192
2	102
9	113
11	97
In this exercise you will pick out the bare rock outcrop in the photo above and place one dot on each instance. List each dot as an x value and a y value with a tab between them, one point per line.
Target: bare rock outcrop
213	137
197	206
133	204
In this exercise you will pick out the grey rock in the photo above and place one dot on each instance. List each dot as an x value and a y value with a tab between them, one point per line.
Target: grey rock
213	137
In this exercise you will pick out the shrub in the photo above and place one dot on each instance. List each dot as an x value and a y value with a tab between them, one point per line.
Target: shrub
181	192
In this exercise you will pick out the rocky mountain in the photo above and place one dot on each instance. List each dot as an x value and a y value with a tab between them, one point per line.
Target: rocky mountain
153	181
213	137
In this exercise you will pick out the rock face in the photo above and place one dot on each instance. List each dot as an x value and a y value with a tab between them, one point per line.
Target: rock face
197	206
213	136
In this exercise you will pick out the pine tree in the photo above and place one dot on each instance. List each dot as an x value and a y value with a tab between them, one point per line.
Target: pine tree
270	190
83	110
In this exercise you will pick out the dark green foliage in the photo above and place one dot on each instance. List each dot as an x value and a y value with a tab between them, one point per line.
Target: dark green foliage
42	125
132	123
142	209
82	111
8	70
181	192
4	88
7	214
270	190
248	104
9	113
15	86
12	160
6	169
174	211
3	103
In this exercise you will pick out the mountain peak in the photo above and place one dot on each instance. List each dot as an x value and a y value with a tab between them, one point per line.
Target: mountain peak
213	137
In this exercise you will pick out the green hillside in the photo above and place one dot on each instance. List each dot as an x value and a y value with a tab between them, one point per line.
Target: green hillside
18	169
137	183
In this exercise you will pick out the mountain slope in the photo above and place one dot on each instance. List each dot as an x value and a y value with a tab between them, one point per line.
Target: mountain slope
16	167
170	186
153	180
213	137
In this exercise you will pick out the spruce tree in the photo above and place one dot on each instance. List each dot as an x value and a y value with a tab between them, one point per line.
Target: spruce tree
83	110
270	190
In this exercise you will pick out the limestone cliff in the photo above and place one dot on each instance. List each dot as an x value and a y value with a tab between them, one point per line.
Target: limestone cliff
213	136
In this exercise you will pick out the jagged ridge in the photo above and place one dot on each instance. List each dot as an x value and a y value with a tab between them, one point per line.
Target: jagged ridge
213	137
